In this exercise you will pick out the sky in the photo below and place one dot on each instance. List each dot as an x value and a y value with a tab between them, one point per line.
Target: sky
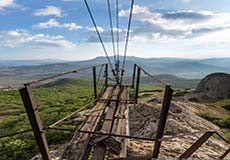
62	29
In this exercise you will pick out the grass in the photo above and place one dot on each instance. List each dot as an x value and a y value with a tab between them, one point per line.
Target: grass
57	99
223	118
54	100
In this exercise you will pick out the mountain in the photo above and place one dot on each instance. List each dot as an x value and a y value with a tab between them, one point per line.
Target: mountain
14	74
14	63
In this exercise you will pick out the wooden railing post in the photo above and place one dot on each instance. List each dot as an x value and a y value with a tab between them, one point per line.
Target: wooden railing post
106	75
35	121
162	121
95	82
137	84
225	154
134	75
196	145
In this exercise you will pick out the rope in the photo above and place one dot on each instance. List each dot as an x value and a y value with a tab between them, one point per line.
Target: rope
127	39
99	35
111	30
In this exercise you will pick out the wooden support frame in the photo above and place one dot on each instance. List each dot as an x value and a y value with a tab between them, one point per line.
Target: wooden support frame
137	84
134	75
225	154
95	82
106	75
196	145
162	122
35	121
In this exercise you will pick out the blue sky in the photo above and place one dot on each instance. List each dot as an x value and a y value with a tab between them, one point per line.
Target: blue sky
61	29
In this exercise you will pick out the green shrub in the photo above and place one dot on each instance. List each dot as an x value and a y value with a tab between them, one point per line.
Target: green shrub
17	149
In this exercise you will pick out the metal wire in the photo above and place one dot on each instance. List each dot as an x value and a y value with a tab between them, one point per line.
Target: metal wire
127	39
99	35
118	38
111	30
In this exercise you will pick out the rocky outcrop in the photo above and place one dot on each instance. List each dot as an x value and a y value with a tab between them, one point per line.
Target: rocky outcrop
216	85
183	128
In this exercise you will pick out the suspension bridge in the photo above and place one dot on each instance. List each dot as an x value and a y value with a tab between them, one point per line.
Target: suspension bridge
104	133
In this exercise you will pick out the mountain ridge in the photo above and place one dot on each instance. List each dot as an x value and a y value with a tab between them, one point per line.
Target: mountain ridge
180	67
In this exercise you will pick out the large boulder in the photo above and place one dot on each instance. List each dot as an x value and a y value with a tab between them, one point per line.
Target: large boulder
216	85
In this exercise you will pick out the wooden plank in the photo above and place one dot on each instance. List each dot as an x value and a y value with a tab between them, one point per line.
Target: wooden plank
121	124
100	148
124	125
77	148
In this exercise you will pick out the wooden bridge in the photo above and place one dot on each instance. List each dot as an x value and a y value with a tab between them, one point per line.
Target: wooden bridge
104	134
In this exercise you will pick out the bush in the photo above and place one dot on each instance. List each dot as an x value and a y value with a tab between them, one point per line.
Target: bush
221	122
17	149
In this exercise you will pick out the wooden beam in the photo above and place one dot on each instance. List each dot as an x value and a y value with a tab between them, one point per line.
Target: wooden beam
137	84
196	145
163	118
100	148
35	121
225	154
77	148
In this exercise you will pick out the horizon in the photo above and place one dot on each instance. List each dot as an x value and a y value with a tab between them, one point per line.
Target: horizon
63	30
65	60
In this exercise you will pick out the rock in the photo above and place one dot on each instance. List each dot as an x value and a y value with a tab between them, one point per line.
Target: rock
215	86
183	128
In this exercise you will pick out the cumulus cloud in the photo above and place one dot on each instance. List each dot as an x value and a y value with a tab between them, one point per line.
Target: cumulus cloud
52	23
48	10
92	29
186	1
21	37
4	4
177	24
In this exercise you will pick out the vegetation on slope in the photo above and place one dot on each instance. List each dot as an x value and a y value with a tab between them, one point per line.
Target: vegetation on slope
55	100
222	118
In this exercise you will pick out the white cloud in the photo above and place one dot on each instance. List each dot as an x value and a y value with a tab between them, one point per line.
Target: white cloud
72	26
49	24
118	30
49	10
21	37
52	23
178	24
186	1
4	4
92	29
70	0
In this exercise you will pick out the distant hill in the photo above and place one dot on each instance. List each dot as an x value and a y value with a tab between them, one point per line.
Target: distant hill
14	63
15	74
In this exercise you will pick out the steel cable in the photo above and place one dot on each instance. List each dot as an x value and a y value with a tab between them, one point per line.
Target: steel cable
127	40
99	36
111	30
118	38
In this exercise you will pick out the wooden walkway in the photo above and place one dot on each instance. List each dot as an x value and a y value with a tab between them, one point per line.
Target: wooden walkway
108	116
104	134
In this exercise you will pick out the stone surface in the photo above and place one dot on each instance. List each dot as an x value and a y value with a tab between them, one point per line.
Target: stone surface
216	85
183	128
